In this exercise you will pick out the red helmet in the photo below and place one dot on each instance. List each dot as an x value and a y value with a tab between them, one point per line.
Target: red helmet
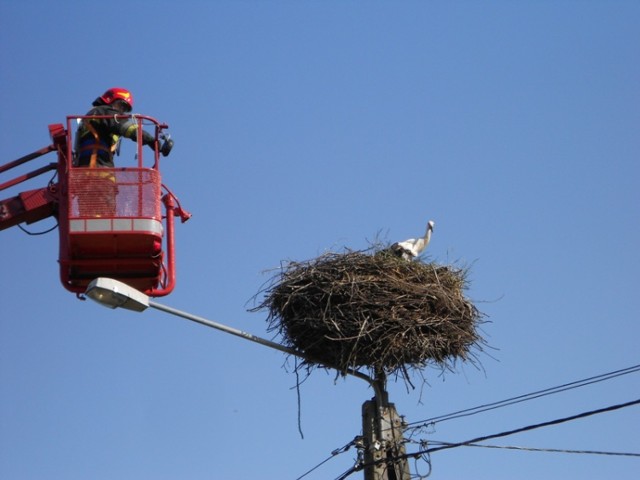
116	93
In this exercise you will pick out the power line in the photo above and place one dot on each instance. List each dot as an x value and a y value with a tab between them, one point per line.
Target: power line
529	396
549	450
528	428
428	451
316	467
504	403
334	453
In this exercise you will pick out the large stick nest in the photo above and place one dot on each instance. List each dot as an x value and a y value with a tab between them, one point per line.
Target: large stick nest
362	309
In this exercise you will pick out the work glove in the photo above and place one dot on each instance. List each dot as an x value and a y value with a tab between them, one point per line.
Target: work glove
167	145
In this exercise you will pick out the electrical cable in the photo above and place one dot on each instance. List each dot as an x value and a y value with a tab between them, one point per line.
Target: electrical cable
427	459
38	233
548	450
527	428
315	468
490	437
529	396
514	400
334	453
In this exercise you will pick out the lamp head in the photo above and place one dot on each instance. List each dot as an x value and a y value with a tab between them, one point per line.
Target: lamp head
114	294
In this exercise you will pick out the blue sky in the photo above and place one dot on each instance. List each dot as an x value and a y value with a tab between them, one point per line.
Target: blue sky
305	127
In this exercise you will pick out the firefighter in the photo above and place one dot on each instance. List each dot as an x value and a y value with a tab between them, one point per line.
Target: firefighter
97	138
97	141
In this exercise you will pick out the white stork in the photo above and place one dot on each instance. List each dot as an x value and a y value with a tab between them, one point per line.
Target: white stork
411	248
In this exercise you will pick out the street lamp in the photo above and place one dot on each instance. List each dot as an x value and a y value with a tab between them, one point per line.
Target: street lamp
114	294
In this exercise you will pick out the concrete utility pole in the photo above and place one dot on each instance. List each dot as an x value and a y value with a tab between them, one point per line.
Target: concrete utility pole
383	431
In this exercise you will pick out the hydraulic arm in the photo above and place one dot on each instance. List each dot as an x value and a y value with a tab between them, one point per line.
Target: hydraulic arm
33	205
28	207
